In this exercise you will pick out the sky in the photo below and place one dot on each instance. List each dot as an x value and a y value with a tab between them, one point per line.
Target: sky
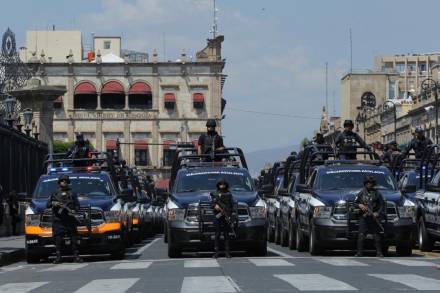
275	50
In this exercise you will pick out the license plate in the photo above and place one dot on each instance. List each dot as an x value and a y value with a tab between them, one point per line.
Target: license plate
67	242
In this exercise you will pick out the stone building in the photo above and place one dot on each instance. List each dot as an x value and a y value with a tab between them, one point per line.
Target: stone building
147	106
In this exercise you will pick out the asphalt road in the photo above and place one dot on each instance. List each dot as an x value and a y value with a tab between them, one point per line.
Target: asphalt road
147	268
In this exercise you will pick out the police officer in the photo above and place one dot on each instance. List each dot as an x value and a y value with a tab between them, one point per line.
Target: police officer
319	139
222	206
371	205
391	152
79	150
13	210
211	141
418	144
347	141
64	203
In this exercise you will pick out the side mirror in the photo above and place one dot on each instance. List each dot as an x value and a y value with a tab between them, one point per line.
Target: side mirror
409	189
24	197
304	188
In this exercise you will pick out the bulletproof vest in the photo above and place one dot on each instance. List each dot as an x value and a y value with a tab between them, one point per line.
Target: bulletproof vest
65	198
81	152
210	140
348	142
420	147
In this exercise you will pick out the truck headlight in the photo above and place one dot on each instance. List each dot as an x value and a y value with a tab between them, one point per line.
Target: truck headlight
176	214
33	220
322	212
407	210
112	216
258	212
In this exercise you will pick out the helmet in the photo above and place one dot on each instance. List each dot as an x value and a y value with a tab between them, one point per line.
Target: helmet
368	179
64	177
348	123
211	123
222	180
419	129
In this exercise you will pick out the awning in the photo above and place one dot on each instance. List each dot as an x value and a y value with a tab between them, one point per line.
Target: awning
140	88
170	98
85	88
111	144
112	87
167	144
140	144
198	98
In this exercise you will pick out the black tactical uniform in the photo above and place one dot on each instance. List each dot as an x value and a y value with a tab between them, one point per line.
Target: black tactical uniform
369	220
347	142
211	141
391	153
13	210
418	144
64	203
79	150
223	198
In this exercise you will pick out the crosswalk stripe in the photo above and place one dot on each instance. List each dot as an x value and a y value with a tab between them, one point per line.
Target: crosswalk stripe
342	262
131	265
64	267
412	281
411	262
314	282
21	287
108	286
208	284
270	262
201	263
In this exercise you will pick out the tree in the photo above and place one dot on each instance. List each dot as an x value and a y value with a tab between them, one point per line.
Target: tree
63	146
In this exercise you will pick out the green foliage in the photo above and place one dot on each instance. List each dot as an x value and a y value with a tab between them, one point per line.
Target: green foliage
62	146
304	142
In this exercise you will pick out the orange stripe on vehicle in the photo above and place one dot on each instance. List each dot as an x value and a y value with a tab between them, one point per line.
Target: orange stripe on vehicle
135	221
37	230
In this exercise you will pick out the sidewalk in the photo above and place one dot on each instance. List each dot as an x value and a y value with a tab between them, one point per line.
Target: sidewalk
11	249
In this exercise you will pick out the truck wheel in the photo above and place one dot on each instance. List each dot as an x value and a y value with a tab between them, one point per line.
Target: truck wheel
261	249
270	233
118	254
32	258
301	244
174	251
277	238
425	242
292	237
404	248
314	247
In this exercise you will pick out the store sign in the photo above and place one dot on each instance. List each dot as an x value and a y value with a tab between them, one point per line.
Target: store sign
114	115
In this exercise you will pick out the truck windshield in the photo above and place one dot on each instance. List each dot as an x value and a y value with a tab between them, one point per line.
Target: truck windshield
207	181
354	179
90	186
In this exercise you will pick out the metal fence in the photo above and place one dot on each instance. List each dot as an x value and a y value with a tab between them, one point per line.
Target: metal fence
21	160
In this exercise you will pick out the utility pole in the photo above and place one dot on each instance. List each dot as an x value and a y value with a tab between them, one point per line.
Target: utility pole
326	87
351	52
214	22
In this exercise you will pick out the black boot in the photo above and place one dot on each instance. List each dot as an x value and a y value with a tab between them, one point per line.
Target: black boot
76	257
378	243
58	258
215	255
227	251
360	245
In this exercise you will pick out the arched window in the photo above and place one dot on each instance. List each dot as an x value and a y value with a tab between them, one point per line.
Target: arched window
140	96
112	96
198	101
169	151
368	100
85	96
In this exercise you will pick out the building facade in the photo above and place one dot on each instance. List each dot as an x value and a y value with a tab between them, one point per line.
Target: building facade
147	107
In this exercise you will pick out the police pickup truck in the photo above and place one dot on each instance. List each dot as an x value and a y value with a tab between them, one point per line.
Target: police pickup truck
326	218
102	219
189	216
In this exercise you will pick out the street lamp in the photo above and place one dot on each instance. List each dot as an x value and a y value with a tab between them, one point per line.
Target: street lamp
386	107
28	115
430	86
10	103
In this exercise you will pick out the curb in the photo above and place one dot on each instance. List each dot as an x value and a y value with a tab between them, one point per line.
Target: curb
10	256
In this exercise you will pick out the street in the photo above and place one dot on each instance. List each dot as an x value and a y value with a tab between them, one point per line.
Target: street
146	268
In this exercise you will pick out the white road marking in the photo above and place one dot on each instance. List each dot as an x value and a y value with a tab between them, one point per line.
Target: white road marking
138	265
201	263
411	263
21	287
143	248
315	282
10	269
342	262
267	262
108	286
64	267
280	253
413	281
209	284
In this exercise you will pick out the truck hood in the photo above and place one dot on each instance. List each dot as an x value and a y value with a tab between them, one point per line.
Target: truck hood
330	197
104	202
182	200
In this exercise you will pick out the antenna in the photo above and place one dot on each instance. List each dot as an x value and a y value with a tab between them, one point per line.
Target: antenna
214	23
351	52
334	104
164	48
326	86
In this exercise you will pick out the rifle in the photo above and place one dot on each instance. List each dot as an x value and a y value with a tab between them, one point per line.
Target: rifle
62	206
223	213
370	213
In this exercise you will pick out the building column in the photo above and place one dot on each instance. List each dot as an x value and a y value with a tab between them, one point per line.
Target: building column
155	92
99	144
98	107
127	147
155	147
126	102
